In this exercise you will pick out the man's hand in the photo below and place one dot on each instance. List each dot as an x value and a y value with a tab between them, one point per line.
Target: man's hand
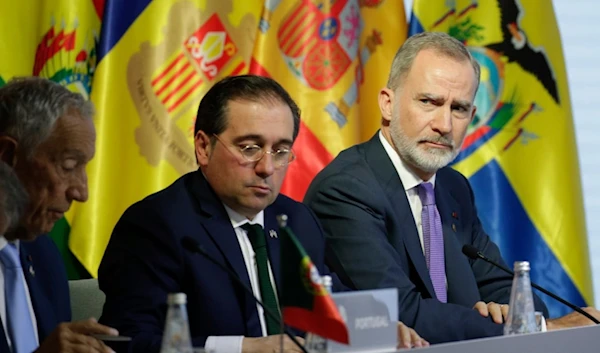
74	337
408	338
270	344
573	319
499	312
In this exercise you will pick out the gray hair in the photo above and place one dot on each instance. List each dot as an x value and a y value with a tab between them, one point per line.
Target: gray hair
30	106
440	42
13	197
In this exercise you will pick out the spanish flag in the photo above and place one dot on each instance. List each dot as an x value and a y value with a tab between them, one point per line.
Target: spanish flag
333	57
306	304
55	40
520	154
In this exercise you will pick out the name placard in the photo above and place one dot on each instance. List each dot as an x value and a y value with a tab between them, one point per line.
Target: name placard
372	320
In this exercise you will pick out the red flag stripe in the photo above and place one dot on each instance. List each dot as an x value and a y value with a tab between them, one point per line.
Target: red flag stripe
185	95
238	69
311	157
166	85
166	71
311	154
177	88
307	23
289	27
317	320
99	6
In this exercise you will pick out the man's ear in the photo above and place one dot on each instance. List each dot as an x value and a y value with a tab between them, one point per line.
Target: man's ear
203	148
473	114
8	150
386	102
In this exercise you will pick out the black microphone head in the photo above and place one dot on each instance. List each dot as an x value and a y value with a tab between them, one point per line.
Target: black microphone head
190	244
471	251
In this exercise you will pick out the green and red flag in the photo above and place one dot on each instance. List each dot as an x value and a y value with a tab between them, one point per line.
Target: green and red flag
306	304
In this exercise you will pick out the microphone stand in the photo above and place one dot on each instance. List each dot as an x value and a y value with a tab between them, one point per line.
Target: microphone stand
193	246
479	254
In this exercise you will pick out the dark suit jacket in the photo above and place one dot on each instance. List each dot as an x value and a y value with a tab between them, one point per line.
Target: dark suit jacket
144	261
48	287
373	242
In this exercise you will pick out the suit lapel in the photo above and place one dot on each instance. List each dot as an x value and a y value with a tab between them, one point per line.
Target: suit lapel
218	226
272	234
222	234
42	307
456	263
392	185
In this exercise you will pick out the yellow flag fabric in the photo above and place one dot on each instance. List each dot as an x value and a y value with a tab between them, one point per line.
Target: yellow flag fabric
333	57
520	153
158	58
55	40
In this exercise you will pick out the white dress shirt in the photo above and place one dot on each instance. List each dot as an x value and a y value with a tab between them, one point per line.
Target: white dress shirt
410	181
233	344
3	243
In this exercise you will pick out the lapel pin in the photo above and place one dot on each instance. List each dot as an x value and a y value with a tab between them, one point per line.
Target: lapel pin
454	227
454	215
272	233
31	271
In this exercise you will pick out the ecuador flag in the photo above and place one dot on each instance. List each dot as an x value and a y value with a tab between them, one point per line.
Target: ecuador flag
520	153
333	57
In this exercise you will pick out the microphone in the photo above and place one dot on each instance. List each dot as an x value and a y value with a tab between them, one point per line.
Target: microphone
473	253
192	245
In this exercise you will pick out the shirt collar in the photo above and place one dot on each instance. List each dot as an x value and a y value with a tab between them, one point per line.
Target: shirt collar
237	220
4	242
408	177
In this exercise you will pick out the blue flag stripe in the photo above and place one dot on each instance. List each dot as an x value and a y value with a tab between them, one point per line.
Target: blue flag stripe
118	16
414	26
507	223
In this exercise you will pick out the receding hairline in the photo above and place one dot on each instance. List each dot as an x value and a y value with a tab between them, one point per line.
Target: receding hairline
437	54
440	43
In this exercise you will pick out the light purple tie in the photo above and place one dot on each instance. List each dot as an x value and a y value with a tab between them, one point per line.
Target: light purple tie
19	324
433	241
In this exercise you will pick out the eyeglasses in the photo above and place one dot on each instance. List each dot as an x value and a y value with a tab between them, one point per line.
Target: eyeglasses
254	153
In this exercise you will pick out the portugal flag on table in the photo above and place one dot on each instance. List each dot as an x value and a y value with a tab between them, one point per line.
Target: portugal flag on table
306	304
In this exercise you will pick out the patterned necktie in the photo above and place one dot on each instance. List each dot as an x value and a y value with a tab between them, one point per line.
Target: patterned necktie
19	324
433	241
257	237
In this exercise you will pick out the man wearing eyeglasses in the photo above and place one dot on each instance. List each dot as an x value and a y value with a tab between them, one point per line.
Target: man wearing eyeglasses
244	132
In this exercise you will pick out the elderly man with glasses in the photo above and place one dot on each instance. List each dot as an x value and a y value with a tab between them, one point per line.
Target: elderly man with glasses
244	132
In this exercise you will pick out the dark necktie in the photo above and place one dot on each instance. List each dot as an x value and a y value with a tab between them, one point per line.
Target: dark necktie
433	241
257	237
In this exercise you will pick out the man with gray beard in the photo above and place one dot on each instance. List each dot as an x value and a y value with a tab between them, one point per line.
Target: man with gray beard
395	215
